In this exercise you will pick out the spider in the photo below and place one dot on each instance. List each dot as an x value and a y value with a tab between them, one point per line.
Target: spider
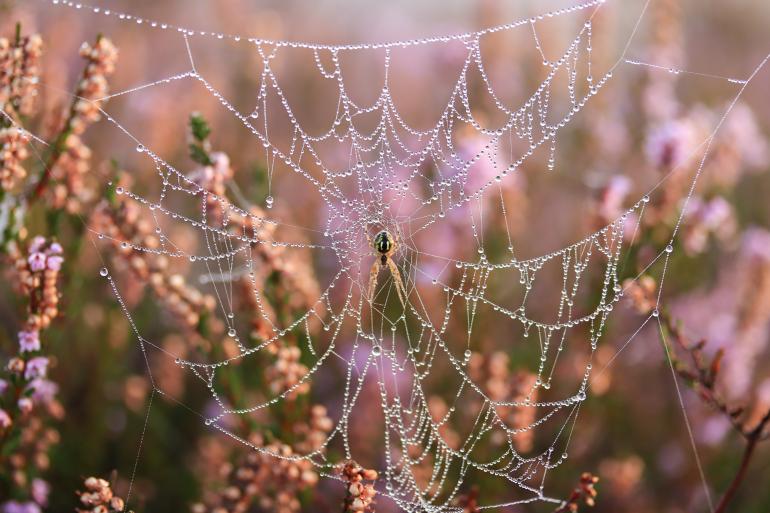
385	246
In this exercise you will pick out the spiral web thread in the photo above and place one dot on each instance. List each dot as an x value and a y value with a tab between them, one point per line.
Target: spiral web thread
409	182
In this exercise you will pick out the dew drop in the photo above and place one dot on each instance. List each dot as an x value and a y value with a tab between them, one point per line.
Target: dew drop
103	272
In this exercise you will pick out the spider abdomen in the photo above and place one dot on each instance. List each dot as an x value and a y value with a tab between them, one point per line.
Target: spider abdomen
383	242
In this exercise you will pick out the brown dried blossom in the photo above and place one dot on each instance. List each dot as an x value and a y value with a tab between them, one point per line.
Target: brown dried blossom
359	494
272	481
500	384
126	230
469	502
70	158
98	497
13	152
583	493
19	73
641	293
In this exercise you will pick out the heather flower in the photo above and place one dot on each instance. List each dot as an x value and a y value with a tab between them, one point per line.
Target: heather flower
37	243
609	206
40	490
641	293
54	262
29	341
43	390
36	367
19	73
704	218
21	507
98	497
5	419
13	152
36	262
25	405
359	496
669	144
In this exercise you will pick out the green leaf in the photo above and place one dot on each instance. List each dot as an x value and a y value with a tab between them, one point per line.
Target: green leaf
199	127
199	155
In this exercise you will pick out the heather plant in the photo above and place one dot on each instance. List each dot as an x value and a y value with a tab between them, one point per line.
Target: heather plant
210	314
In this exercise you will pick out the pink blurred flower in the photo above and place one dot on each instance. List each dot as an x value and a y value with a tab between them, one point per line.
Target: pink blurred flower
54	263
21	507
668	145
37	244
36	367
5	419
29	341
611	198
25	405
40	491
43	390
704	218
36	261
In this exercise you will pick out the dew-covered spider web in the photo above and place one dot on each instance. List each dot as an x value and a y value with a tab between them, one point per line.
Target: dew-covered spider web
371	170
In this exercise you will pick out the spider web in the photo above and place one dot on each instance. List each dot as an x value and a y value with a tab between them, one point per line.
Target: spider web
371	170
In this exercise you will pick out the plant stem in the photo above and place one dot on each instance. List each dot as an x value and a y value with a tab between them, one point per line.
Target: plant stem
748	452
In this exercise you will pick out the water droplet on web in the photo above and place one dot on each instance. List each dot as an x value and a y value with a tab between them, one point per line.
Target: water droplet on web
231	332
103	272
140	149
377	350
269	202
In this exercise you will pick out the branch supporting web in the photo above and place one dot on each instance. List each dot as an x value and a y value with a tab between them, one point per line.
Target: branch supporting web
394	307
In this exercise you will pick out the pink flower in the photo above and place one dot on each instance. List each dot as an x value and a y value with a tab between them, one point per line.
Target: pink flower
668	145
37	244
43	390
29	341
40	491
5	419
25	404
36	261
612	196
54	263
21	507
3	386
37	367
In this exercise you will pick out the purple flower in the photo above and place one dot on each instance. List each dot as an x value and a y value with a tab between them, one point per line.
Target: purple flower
54	262
40	491
36	368
36	261
5	419
3	386
25	405
37	244
55	249
43	390
21	507
29	340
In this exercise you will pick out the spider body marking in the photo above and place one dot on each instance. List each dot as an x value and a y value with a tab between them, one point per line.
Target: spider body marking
385	245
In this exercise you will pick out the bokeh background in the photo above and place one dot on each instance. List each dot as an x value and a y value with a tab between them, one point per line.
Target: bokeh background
630	433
